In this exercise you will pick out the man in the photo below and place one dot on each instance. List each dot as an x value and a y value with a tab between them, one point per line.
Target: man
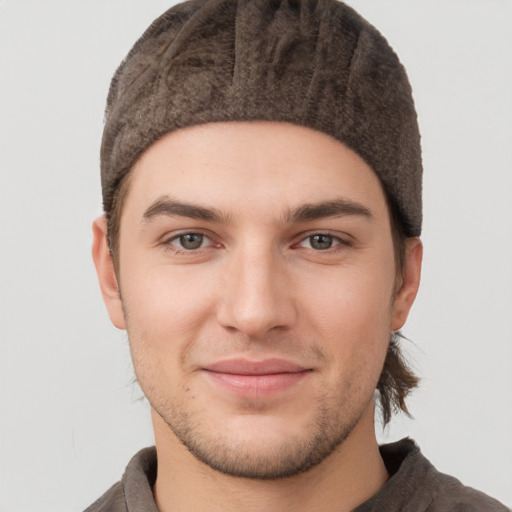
261	178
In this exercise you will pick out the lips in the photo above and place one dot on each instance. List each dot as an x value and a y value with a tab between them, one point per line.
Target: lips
246	367
255	378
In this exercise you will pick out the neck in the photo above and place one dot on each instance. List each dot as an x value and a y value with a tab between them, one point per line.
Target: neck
348	477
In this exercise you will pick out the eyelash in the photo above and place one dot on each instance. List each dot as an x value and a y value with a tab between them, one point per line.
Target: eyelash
337	241
169	245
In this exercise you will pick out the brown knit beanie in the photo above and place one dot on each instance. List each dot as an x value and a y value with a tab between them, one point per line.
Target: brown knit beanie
314	63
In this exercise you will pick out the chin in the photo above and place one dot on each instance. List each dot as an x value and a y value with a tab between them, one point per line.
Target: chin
264	448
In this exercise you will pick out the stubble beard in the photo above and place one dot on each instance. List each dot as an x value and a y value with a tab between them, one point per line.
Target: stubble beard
251	460
335	419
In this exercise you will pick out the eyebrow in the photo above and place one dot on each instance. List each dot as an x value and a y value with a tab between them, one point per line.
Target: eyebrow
170	207
307	212
335	208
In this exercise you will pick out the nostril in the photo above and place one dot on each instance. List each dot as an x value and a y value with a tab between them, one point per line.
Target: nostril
256	320
256	298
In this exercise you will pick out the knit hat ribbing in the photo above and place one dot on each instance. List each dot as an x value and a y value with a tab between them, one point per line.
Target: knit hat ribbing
313	63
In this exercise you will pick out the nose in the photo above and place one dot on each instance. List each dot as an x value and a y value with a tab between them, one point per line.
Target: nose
256	296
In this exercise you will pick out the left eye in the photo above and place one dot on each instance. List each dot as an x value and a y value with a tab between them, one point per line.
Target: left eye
190	241
320	242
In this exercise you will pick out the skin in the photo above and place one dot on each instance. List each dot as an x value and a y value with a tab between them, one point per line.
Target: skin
264	281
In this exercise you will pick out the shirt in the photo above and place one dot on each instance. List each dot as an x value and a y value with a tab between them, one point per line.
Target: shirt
414	486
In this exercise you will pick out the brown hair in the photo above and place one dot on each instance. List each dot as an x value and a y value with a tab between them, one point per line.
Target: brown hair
113	217
396	380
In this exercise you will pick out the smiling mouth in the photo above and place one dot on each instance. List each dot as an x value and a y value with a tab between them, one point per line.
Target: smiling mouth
255	379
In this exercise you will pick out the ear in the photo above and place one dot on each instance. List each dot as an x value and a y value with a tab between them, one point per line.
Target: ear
410	282
106	274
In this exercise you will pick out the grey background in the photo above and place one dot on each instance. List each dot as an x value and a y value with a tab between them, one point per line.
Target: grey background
70	415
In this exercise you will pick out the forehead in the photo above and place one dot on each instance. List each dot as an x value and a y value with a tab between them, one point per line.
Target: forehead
253	168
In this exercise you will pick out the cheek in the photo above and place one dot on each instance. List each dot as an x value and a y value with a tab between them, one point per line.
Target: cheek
165	311
351	317
166	306
350	301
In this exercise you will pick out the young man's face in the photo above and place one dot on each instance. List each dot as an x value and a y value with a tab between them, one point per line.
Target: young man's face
259	290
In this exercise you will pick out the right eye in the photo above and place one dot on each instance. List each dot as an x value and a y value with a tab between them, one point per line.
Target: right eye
190	241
